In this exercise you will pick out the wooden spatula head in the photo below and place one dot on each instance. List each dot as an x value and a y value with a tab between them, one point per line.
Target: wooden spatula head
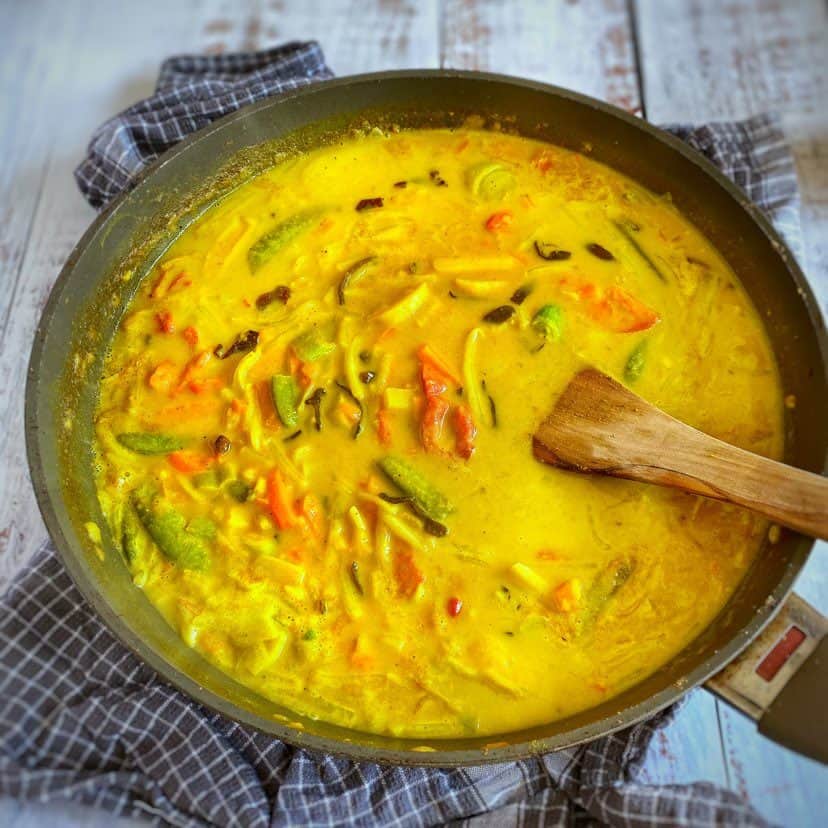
599	426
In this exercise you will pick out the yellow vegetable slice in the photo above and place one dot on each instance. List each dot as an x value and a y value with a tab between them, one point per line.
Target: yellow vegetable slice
407	306
480	287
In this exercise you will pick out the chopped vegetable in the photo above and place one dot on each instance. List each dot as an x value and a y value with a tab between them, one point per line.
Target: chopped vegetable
165	322
399	399
285	392
194	367
355	272
428	356
190	462
279	237
350	394
310	346
407	574
150	442
280	293
480	288
190	335
551	252
314	514
603	589
244	342
279	500
164	376
433	380
315	402
168	530
131	530
431	426
566	597
221	445
635	362
464	430
454	607
281	571
472	386
548	322
423	493
431	526
527	577
499	315
600	252
384	426
407	306
616	310
499	221
490	180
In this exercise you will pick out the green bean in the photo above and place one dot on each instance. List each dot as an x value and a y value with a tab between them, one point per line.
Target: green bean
285	392
273	241
310	346
432	502
143	442
168	530
548	322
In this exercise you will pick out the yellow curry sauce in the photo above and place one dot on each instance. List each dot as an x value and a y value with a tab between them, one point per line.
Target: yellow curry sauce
315	428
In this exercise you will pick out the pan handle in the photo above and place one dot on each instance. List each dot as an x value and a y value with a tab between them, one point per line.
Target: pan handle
781	679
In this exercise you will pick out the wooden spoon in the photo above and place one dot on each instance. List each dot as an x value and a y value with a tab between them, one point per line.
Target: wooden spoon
599	426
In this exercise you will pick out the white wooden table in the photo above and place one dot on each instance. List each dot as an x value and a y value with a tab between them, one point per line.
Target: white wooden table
64	67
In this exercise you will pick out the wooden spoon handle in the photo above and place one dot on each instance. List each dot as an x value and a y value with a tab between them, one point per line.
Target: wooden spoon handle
599	426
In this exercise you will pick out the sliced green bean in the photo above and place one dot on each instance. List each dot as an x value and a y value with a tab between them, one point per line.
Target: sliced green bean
168	530
430	501
285	392
144	442
263	250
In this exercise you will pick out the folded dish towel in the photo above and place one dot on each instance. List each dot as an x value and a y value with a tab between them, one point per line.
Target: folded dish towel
82	719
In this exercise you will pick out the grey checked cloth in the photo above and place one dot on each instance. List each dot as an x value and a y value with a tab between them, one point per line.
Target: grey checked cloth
82	719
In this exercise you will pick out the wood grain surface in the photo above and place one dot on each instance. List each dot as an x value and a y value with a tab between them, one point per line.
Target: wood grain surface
598	426
65	67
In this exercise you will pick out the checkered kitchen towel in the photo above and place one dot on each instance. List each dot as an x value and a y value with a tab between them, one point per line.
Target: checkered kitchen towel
82	719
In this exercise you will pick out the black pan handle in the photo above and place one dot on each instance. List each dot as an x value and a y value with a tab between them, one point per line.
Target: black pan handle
781	679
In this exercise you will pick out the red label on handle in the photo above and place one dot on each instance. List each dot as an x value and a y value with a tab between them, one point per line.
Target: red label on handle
773	662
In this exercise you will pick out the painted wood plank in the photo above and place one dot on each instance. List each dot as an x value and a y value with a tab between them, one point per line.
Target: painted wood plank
357	36
689	748
731	60
586	46
702	62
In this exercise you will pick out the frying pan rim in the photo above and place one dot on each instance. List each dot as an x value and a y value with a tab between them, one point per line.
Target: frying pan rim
354	750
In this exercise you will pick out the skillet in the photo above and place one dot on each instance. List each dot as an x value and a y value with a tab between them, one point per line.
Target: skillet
787	639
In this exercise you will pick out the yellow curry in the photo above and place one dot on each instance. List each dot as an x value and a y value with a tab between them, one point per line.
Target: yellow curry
314	432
